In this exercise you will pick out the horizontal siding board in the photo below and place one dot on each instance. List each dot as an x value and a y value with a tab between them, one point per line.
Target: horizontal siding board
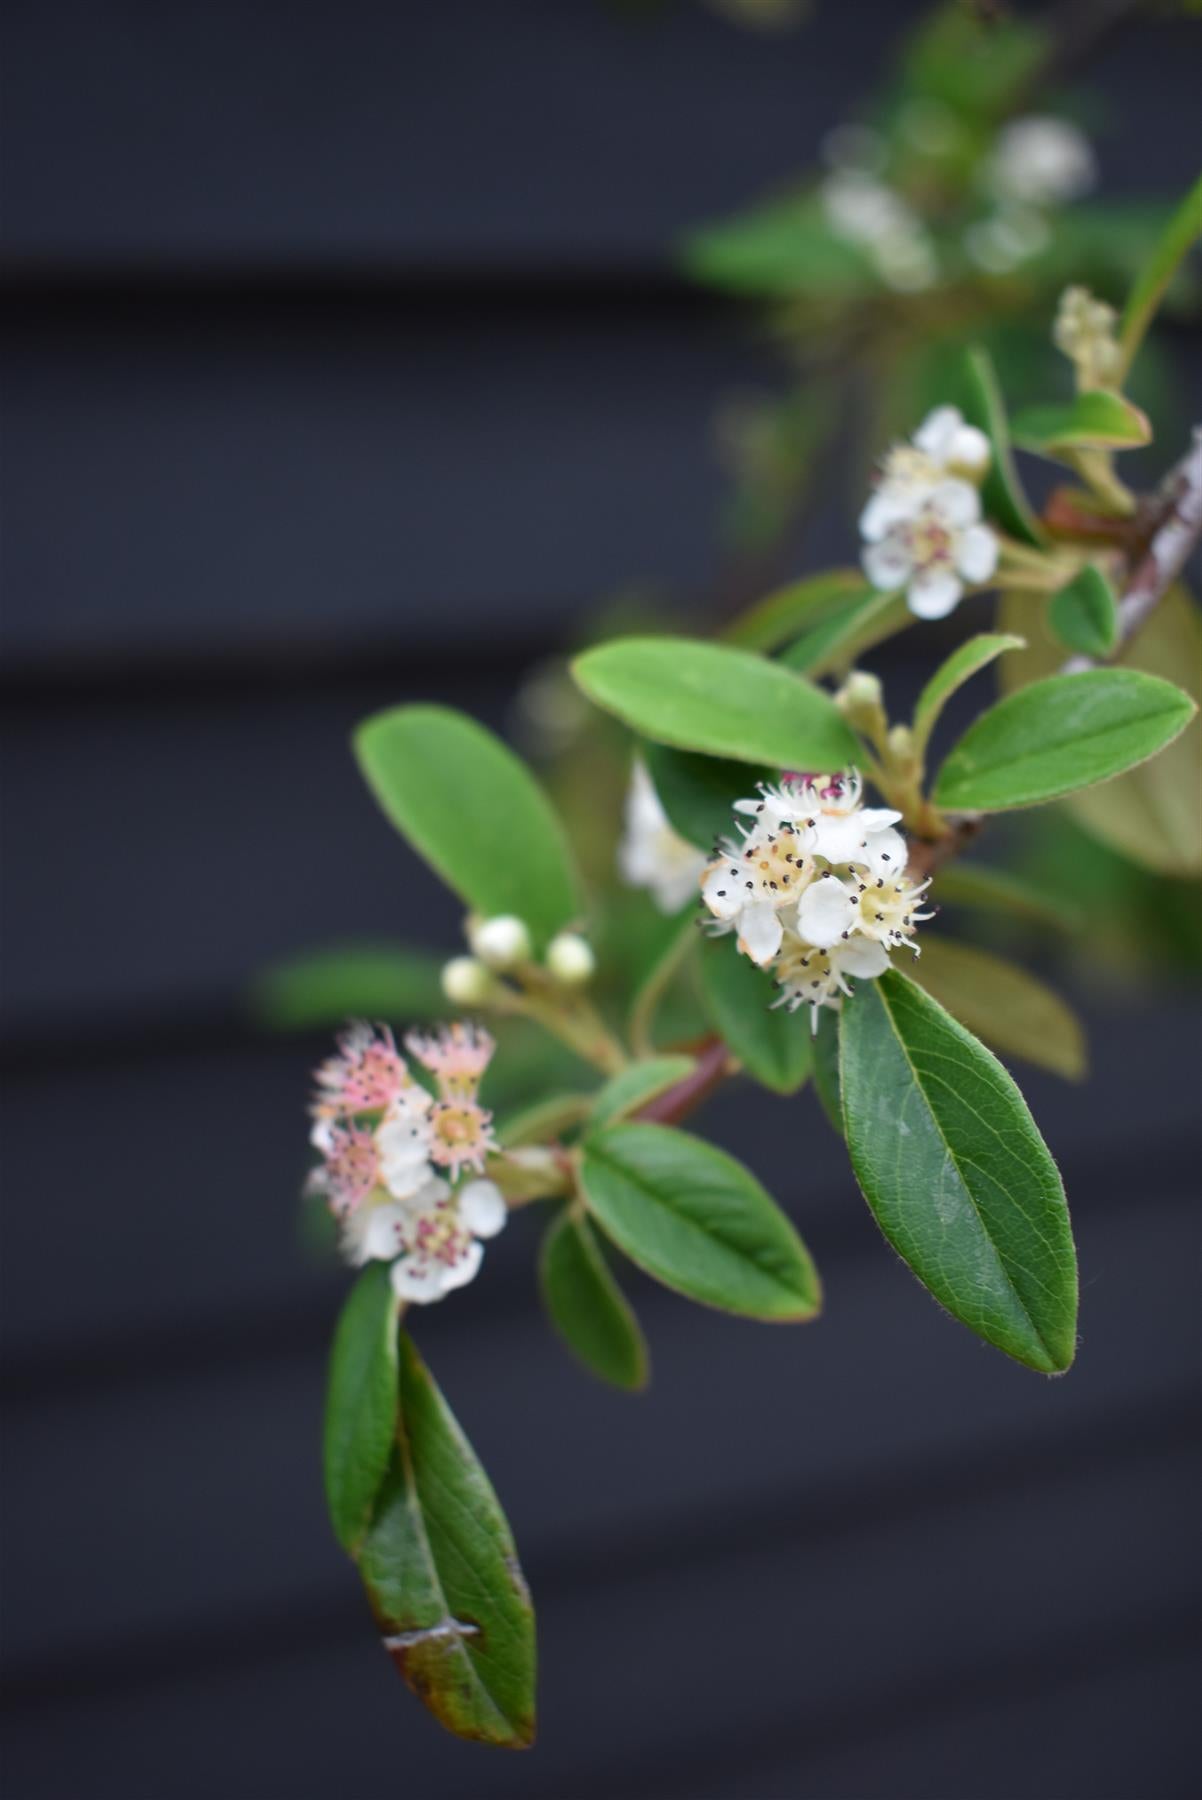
212	1477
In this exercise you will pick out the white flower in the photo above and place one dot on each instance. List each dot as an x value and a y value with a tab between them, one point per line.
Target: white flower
440	1241
1007	239
1042	161
500	943
403	1141
953	446
862	209
651	854
810	976
932	550
748	885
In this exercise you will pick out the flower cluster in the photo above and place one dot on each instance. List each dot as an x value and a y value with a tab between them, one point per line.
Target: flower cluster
1084	331
392	1152
922	527
814	887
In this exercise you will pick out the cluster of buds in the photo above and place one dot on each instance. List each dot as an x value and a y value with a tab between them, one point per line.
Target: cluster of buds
1085	332
394	1154
922	527
814	887
502	945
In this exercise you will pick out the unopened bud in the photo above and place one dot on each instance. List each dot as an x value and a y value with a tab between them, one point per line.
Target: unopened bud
570	959
466	981
859	700
502	942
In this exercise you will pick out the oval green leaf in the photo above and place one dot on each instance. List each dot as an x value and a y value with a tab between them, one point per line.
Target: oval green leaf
587	1307
782	614
1183	229
1058	735
826	1067
717	700
1095	420
963	663
699	792
698	1221
955	1172
362	981
1002	495
473	810
631	1088
443	1579
984	888
1083	614
1015	1014
860	624
361	1402
773	1045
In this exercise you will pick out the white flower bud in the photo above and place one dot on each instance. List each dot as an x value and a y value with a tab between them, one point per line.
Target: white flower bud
570	959
501	943
466	982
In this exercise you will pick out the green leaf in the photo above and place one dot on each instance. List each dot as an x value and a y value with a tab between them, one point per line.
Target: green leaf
473	810
634	1086
955	1172
963	663
327	987
544	1120
717	700
699	792
443	1578
587	1307
785	247
648	996
1001	492
1059	735
361	1401
1095	420
1153	814
981	886
1015	1014
698	1221
1183	230
800	605
1083	614
826	1067
858	626
772	1045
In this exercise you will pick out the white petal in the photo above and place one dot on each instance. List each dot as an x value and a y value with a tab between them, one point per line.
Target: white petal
863	956
840	839
419	1281
825	912
760	932
721	891
956	502
937	432
482	1208
382	1230
890	505
888	564
885	852
970	449
932	595
877	818
460	1272
976	553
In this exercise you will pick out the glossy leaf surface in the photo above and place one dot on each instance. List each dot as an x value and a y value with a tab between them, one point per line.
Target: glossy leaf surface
632	1087
1095	420
1083	614
361	1401
699	792
963	663
587	1307
772	1044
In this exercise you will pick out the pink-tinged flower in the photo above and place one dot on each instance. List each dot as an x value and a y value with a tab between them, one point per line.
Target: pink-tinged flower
403	1142
366	1075
456	1055
461	1135
440	1240
350	1170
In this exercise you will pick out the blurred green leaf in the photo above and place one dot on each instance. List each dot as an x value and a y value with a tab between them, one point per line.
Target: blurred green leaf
989	889
361	1402
632	1087
1067	732
1001	492
363	981
545	1120
781	614
698	1221
474	811
442	1574
973	61
1182	231
782	248
772	1044
1083	614
587	1307
826	1067
698	792
1095	420
859	625
1013	1013
717	700
955	1172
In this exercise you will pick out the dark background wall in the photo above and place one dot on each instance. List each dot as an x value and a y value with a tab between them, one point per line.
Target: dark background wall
344	364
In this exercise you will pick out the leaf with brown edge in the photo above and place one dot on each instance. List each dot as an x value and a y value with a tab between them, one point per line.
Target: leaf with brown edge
443	1578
